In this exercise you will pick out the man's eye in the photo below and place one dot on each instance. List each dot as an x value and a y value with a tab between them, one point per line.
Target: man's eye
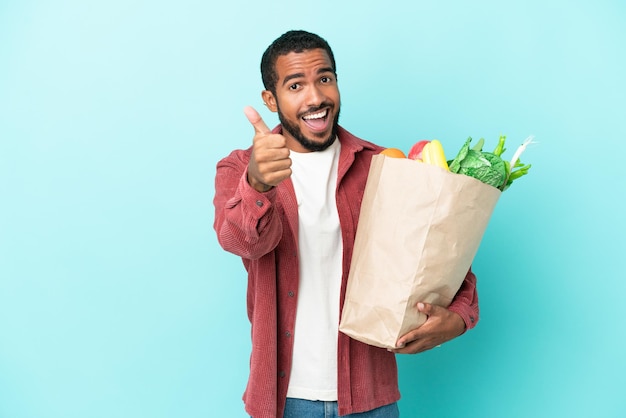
293	87
326	80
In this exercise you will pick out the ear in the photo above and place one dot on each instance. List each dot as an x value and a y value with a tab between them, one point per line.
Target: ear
270	100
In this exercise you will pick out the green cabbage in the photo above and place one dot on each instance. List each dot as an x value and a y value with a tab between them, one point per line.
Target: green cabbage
487	167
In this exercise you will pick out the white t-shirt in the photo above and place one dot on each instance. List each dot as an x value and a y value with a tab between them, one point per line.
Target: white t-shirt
314	368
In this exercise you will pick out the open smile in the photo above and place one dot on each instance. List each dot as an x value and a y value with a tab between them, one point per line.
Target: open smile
317	121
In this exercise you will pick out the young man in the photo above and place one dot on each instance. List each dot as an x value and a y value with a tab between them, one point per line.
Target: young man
289	206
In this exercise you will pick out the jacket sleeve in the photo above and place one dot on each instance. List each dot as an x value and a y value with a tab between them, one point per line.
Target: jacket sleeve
246	221
465	302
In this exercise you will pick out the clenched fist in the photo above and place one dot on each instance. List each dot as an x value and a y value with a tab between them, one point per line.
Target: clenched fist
269	163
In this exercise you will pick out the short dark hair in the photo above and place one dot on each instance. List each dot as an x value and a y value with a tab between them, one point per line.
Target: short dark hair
291	41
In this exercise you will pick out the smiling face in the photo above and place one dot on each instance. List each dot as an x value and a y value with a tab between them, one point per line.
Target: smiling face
306	99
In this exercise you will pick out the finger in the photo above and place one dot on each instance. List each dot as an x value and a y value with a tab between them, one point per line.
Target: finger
432	311
269	147
408	338
412	348
425	308
255	119
417	346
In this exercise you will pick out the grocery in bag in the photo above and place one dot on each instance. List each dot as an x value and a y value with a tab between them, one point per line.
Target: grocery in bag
419	229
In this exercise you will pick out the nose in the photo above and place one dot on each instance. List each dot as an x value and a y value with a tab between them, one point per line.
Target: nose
315	96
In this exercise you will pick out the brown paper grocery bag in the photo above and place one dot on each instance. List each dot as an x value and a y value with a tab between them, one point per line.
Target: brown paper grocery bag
419	229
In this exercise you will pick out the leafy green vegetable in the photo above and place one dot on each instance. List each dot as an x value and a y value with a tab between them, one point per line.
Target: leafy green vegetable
479	145
489	167
500	147
455	165
519	171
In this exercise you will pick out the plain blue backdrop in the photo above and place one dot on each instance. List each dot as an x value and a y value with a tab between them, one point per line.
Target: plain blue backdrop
116	300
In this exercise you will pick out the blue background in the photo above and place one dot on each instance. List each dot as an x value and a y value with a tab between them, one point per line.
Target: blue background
115	298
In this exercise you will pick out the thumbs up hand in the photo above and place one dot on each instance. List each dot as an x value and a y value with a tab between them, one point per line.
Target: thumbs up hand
269	163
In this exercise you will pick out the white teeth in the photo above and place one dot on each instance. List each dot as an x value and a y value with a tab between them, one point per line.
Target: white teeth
318	115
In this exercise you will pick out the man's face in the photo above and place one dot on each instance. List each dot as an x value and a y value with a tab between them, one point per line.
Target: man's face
307	100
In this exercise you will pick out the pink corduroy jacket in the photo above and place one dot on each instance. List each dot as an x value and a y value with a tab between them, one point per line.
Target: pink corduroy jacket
262	228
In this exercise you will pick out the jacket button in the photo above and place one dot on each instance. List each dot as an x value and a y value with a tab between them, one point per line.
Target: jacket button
291	294
287	334
259	203
472	319
282	373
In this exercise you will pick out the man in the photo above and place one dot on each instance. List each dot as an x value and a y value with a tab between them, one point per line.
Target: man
288	206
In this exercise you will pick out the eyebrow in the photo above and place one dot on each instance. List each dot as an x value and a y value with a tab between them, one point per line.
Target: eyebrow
299	75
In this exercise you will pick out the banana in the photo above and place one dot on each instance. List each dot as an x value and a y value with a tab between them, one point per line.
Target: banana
426	158
435	153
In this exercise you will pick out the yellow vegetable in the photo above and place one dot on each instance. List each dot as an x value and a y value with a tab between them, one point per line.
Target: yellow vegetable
426	154
435	155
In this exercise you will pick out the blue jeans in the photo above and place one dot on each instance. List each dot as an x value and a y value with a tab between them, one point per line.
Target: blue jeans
300	408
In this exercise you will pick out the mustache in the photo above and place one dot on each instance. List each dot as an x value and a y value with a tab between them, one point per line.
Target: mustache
315	108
